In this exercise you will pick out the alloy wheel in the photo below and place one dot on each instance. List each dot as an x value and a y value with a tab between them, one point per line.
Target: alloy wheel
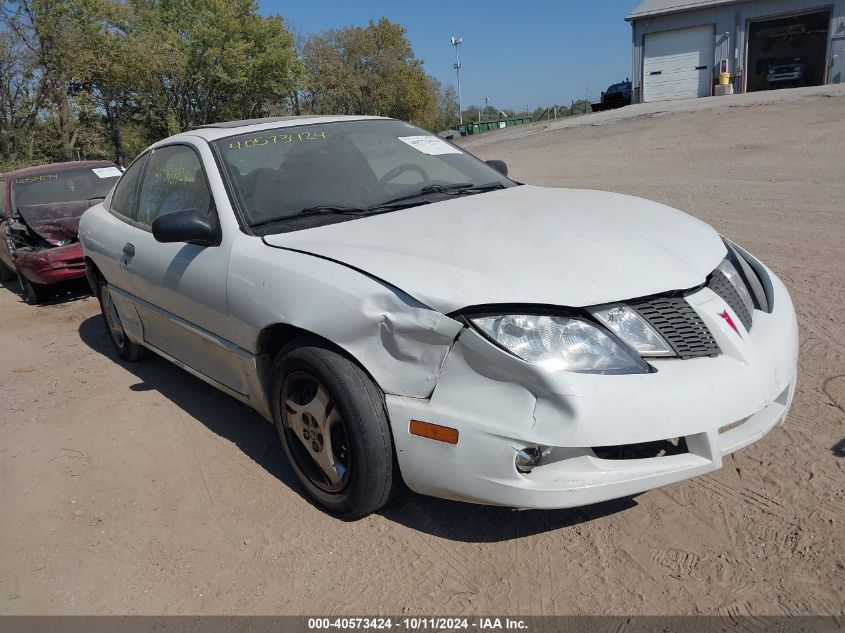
315	431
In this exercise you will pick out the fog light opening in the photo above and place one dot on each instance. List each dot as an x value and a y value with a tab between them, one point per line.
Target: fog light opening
528	458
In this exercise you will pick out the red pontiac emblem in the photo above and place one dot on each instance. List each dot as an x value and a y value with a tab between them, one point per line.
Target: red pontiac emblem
730	321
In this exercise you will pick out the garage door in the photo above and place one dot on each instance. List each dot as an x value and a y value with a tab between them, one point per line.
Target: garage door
676	64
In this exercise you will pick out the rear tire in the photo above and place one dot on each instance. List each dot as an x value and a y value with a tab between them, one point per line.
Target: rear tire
333	426
126	349
33	294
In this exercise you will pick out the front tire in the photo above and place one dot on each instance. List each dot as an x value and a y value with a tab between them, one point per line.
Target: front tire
32	294
126	349
333	427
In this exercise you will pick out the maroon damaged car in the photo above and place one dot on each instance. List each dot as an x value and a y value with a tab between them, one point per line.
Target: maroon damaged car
40	209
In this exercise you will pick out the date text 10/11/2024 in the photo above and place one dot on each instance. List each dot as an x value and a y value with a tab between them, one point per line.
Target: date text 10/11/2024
418	624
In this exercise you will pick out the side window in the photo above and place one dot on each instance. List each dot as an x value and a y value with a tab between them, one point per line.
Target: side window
126	191
174	182
2	199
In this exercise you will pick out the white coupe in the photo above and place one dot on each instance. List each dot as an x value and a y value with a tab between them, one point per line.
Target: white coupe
403	311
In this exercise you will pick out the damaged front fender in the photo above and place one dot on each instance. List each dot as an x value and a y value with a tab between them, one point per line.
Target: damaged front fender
399	341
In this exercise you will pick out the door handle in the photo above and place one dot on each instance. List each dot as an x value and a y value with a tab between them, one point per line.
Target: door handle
129	250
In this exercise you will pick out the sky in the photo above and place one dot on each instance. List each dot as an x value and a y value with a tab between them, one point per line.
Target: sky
520	54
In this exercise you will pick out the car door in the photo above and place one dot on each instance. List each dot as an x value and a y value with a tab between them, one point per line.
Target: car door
180	288
106	243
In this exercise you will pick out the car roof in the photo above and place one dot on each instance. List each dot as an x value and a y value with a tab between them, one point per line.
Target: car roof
214	131
51	167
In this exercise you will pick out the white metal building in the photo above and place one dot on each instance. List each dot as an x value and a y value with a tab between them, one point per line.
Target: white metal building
681	46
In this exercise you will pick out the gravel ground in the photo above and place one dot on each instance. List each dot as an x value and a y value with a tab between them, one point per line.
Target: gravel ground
135	488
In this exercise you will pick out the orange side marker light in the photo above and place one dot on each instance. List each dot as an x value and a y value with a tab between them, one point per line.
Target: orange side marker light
434	432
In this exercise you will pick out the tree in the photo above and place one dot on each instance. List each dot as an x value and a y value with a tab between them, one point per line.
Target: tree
19	95
52	34
122	72
369	70
74	63
105	78
222	60
442	113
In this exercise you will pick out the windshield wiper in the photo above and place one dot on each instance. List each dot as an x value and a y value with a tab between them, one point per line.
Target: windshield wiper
393	204
428	189
458	189
490	186
317	210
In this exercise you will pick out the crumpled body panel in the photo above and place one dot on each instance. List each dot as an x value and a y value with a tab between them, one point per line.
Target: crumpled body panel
52	265
56	222
401	342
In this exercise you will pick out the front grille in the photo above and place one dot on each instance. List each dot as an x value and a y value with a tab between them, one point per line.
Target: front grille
721	286
679	324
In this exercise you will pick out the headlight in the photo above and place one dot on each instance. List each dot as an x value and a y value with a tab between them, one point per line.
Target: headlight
561	344
634	330
734	278
752	274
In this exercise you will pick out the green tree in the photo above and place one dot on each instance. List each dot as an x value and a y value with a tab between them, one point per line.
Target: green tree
19	96
219	60
369	70
121	74
105	78
52	34
443	109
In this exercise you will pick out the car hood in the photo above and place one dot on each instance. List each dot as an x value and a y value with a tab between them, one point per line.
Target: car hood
524	244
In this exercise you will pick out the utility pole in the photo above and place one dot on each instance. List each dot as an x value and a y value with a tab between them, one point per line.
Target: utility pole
457	41
586	96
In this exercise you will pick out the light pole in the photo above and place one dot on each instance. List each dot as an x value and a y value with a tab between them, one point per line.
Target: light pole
486	104
457	41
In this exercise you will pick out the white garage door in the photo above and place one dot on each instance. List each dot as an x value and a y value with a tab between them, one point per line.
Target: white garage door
676	64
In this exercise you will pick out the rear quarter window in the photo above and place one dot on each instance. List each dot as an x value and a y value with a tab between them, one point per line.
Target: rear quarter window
125	198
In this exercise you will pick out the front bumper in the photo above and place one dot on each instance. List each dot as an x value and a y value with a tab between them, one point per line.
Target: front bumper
784	77
500	405
52	265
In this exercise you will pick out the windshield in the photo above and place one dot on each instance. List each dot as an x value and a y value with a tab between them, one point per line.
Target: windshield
351	165
66	185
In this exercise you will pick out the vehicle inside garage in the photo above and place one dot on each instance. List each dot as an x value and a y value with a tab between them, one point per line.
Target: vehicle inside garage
787	52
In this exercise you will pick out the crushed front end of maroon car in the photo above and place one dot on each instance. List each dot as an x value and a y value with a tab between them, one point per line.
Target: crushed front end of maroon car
40	223
47	249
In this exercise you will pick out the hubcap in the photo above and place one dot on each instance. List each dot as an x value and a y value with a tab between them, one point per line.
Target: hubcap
315	432
112	317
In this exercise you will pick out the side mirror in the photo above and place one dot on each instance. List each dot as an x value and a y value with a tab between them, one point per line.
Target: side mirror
191	225
499	165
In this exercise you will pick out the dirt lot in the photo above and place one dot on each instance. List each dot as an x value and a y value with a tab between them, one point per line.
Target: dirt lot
135	488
